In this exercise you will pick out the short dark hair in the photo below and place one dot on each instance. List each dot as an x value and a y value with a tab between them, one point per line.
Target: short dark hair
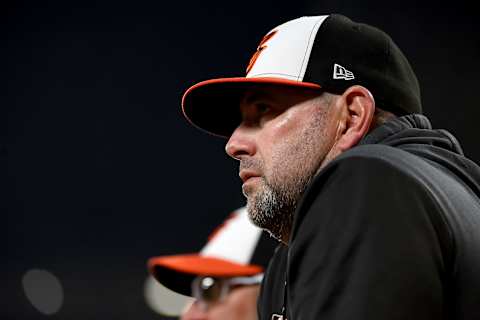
380	117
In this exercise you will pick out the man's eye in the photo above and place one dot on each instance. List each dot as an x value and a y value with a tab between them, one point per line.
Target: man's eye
263	108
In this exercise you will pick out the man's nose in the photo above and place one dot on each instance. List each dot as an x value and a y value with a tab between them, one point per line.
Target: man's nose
194	312
241	143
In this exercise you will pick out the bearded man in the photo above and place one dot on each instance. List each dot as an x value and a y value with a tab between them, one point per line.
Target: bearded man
378	212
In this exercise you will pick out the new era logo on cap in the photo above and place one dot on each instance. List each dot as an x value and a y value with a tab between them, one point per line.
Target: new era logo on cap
340	72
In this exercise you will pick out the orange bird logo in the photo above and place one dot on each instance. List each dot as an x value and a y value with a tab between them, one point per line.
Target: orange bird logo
260	48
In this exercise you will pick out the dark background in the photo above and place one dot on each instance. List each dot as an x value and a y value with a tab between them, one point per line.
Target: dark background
102	171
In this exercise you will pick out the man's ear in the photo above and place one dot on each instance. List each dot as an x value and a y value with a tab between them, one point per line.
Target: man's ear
358	110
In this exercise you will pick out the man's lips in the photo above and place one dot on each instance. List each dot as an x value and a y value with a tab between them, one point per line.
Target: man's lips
247	174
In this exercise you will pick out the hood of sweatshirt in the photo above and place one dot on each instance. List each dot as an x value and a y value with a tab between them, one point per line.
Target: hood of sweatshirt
414	133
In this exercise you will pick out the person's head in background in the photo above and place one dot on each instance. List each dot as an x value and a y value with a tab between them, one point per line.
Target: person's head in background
224	277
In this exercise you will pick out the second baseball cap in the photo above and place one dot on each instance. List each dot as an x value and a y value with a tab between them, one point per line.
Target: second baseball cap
328	52
236	248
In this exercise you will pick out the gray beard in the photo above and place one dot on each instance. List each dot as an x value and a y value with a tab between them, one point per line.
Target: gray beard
274	206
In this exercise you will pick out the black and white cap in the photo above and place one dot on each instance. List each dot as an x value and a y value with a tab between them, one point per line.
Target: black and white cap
328	52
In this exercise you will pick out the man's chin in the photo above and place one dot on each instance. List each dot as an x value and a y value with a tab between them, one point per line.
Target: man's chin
247	192
253	215
260	222
250	187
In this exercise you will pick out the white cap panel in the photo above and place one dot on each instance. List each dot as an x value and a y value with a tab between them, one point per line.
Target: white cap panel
235	240
285	54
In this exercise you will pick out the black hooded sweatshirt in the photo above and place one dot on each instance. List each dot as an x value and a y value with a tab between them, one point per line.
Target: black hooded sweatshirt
388	230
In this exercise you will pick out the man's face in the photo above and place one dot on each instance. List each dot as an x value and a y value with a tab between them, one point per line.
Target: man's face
285	137
239	304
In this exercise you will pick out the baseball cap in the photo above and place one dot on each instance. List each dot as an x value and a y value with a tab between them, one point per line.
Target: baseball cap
236	248
327	52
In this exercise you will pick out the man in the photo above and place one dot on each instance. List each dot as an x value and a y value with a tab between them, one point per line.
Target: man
224	278
379	212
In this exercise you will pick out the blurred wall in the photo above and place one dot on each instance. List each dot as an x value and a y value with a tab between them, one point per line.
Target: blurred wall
103	172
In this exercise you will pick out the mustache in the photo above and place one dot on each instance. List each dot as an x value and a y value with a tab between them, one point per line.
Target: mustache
251	164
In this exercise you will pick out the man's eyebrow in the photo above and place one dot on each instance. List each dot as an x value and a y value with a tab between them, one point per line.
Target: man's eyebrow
253	96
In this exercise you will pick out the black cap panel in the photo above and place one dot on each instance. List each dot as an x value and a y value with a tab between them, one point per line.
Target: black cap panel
371	56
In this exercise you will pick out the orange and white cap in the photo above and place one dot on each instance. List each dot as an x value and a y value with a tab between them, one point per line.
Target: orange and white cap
236	248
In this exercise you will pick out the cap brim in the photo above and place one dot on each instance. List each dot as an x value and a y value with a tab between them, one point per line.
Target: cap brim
213	105
176	272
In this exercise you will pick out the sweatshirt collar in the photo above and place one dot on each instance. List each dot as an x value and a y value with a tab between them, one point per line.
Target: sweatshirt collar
394	126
